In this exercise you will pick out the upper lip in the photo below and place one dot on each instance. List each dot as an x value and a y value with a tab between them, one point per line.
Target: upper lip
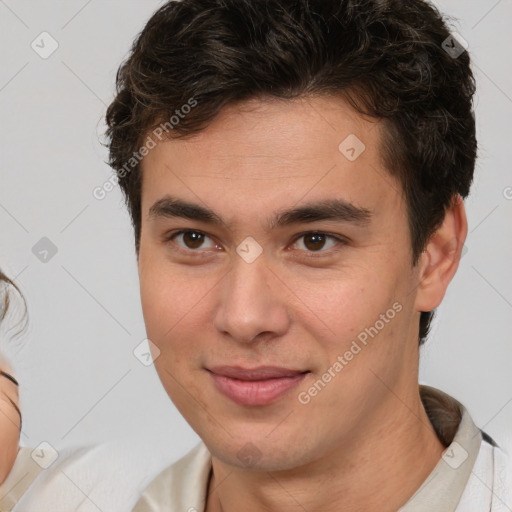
259	373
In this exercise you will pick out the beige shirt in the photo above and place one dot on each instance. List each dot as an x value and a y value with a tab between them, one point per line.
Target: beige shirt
182	487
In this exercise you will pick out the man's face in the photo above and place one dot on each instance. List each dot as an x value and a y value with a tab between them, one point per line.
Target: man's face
328	303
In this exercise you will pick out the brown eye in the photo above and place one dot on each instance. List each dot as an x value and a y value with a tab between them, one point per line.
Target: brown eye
193	239
318	241
314	241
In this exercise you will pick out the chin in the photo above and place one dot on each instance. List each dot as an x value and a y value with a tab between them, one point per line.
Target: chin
260	454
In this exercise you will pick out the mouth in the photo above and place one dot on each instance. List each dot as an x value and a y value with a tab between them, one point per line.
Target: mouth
255	386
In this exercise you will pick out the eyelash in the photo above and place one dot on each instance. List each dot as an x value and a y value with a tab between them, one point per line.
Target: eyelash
310	254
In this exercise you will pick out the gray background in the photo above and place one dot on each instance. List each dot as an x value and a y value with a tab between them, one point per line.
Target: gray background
80	382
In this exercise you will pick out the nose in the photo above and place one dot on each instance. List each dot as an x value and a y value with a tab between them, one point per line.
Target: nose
252	303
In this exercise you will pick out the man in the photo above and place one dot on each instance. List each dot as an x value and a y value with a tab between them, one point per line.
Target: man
295	174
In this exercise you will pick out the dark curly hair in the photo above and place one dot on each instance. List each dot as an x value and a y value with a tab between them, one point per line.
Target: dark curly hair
389	58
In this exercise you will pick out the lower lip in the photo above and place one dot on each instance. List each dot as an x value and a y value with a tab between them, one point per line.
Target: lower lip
255	392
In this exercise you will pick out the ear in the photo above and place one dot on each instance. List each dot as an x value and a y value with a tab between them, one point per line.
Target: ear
440	259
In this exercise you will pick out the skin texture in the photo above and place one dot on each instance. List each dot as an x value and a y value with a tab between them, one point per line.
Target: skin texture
9	422
206	306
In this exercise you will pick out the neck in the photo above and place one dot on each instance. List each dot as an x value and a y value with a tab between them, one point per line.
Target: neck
380	468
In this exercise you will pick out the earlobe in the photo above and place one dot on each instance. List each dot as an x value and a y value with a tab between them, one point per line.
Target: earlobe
441	257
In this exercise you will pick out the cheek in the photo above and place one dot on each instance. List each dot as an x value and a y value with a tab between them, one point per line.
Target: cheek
174	305
168	295
365	324
344	304
170	310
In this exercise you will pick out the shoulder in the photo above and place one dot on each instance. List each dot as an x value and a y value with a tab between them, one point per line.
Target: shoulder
490	484
181	486
109	476
502	474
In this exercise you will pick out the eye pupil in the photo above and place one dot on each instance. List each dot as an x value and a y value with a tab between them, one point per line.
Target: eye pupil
317	241
193	239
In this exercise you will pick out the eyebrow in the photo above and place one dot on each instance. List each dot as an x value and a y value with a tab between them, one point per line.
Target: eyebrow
327	209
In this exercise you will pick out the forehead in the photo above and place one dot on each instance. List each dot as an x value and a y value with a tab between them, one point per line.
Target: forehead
268	153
